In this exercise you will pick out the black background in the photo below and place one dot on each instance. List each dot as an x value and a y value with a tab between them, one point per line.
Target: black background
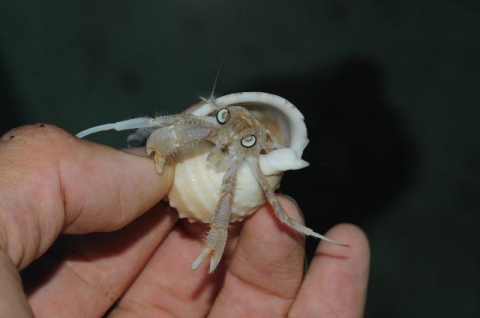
389	90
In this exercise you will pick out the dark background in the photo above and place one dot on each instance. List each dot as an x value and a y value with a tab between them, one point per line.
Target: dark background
389	90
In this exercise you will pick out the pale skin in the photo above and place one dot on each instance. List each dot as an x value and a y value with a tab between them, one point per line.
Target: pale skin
139	266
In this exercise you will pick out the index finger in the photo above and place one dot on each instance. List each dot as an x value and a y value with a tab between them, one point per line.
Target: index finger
336	282
53	182
266	268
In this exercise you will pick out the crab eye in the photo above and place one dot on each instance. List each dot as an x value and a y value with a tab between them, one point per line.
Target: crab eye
249	141
222	116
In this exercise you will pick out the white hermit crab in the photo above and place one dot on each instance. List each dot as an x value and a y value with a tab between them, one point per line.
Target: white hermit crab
229	157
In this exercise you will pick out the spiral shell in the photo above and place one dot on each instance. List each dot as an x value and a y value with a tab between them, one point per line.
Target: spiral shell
196	187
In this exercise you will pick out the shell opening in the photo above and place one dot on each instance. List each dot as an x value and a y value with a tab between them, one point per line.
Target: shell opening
278	115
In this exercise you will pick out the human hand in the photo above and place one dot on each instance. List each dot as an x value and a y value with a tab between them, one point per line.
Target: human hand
127	255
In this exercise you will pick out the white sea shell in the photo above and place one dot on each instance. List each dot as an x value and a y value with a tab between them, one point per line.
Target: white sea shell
196	187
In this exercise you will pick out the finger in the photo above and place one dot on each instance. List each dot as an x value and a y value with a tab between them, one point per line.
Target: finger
100	266
53	182
13	302
266	268
167	286
336	282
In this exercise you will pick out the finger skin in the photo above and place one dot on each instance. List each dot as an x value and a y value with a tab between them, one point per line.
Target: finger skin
167	287
337	279
260	273
266	268
75	186
12	299
53	182
100	266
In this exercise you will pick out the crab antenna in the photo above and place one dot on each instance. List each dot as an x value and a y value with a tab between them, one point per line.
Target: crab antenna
216	78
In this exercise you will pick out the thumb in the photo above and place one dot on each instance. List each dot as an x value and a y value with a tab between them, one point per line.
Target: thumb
53	182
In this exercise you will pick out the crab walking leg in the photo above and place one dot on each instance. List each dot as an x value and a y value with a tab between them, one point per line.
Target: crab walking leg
140	122
140	134
277	207
166	141
217	235
143	122
134	123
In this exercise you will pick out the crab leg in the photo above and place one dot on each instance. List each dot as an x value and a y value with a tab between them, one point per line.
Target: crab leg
165	141
277	207
143	122
217	235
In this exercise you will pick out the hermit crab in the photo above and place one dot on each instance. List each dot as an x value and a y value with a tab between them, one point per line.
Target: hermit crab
229	155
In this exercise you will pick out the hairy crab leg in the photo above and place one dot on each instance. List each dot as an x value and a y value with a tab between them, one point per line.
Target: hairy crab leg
217	235
277	207
166	141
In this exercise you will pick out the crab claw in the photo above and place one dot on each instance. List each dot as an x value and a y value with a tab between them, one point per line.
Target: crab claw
214	246
159	160
200	258
218	233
